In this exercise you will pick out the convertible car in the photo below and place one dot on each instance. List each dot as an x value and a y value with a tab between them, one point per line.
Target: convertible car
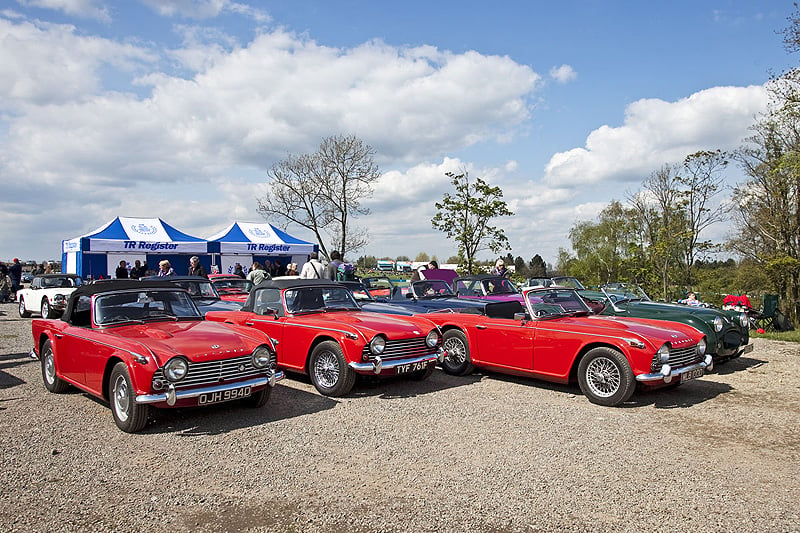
320	330
727	332
47	295
202	291
141	344
554	337
231	287
484	286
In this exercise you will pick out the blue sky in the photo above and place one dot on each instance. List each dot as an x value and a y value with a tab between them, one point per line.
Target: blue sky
176	109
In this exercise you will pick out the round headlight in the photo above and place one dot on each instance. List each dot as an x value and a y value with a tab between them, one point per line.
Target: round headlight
432	339
743	320
663	354
717	324
261	357
701	346
176	369
377	345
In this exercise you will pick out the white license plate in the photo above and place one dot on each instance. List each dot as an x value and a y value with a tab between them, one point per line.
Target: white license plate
411	367
224	396
692	374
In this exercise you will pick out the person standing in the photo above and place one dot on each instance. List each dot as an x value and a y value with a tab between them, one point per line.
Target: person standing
500	269
15	273
257	273
333	266
312	269
49	268
165	269
195	268
138	271
122	270
238	271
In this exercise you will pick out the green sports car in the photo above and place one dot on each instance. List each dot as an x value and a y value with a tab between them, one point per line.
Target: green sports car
726	331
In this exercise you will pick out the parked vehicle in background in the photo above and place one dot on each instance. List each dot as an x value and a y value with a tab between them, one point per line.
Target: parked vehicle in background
202	292
142	344
321	331
231	287
727	331
410	304
556	338
486	286
47	295
385	265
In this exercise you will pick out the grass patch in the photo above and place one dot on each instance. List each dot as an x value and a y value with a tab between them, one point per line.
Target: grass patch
788	336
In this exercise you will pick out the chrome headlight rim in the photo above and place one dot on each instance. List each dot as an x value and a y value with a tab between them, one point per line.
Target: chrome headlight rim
743	320
377	345
433	338
176	369
718	324
261	356
702	346
663	353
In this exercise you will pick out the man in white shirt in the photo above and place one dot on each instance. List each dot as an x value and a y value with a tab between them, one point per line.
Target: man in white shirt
313	269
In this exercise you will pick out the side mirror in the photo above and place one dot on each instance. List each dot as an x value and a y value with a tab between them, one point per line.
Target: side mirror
409	295
522	316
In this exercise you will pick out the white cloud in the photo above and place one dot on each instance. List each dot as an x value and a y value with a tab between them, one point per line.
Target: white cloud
49	64
204	9
658	132
89	9
563	74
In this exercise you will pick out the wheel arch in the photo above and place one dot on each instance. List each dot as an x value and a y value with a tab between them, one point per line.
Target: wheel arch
316	342
573	371
110	364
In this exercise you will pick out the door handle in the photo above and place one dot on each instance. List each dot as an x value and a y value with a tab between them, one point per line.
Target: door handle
58	335
480	327
249	323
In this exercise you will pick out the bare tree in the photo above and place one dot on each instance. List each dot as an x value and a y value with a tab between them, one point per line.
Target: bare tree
323	192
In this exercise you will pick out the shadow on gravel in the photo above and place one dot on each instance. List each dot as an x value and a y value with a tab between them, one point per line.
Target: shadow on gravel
285	403
393	387
687	395
736	365
12	361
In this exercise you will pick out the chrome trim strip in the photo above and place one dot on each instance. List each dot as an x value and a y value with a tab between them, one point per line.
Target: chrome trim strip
707	365
366	368
194	393
108	345
324	328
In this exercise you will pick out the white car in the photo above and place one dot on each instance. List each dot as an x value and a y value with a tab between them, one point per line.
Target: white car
47	295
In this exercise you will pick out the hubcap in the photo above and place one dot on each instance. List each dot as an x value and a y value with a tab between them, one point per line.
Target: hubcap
456	352
121	398
49	367
21	306
45	309
326	369
603	377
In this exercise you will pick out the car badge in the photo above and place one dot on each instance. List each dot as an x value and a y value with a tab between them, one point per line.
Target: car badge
215	346
241	368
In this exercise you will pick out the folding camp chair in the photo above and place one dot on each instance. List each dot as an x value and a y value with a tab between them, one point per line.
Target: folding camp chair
766	318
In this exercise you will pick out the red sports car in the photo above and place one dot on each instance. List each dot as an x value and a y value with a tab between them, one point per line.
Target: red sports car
320	330
554	338
231	287
138	344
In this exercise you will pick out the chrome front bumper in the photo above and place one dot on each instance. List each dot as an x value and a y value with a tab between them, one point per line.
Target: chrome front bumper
378	365
171	395
667	374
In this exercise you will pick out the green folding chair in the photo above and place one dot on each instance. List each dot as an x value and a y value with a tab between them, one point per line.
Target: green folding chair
766	318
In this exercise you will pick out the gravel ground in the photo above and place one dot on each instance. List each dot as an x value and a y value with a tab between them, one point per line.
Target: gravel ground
483	453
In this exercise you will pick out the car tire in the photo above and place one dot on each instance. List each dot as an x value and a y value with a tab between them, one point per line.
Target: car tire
259	399
23	313
457	362
328	370
421	375
606	377
129	416
46	312
52	382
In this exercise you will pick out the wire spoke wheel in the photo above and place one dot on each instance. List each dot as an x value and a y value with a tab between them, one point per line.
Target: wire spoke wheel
326	369
603	377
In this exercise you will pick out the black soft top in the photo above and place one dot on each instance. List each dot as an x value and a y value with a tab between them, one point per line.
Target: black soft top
287	284
174	278
56	275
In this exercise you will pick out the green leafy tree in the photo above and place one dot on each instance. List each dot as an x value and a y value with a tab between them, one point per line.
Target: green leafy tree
466	217
422	257
537	267
520	267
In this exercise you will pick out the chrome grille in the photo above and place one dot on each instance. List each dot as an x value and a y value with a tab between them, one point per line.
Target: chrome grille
678	357
413	347
214	372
